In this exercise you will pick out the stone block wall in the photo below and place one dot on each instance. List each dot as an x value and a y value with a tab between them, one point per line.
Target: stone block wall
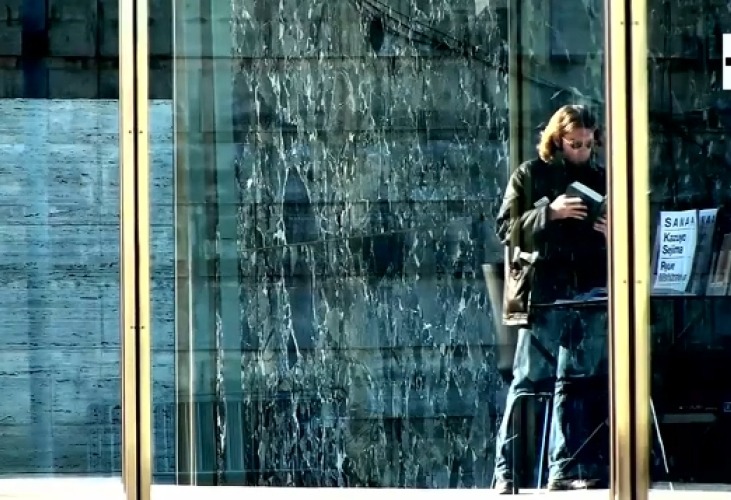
59	289
77	47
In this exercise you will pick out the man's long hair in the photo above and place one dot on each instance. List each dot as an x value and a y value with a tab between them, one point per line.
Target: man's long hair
564	120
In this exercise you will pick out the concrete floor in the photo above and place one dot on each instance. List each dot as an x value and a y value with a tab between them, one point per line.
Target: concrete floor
111	489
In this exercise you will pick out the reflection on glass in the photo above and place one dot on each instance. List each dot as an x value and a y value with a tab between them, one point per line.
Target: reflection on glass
553	219
689	234
338	169
59	298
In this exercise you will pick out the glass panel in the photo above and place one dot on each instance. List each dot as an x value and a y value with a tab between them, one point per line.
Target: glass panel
59	240
162	238
333	315
690	232
552	218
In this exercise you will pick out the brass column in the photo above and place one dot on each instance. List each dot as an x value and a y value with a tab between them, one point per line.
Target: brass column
134	249
627	146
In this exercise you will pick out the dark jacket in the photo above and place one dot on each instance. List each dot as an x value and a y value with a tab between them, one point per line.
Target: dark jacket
570	255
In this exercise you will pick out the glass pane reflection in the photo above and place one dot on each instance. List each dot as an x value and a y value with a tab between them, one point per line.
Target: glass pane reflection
338	170
689	175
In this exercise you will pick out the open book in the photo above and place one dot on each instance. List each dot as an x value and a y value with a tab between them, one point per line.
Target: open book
596	204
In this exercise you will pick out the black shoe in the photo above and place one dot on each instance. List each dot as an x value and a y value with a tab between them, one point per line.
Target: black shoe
559	484
505	487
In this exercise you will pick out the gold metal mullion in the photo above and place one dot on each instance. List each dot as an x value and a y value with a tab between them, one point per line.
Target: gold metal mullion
144	340
134	229
619	319
627	137
640	210
128	264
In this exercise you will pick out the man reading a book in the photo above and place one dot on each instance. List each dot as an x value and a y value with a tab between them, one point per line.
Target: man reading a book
553	210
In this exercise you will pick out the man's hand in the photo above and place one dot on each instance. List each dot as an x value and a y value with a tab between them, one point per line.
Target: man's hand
567	207
601	225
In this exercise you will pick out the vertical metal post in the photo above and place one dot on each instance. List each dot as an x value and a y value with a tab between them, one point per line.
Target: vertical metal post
627	145
135	254
639	174
127	243
142	194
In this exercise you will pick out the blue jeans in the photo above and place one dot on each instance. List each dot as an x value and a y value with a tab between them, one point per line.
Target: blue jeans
565	349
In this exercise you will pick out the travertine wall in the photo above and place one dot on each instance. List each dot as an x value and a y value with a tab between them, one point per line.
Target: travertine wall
59	286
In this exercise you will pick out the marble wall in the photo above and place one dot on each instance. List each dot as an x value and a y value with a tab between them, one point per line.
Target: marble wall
372	146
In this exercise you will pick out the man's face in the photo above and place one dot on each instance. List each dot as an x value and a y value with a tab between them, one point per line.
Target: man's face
577	145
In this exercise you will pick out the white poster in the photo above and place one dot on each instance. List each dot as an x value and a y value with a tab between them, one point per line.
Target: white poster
678	235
